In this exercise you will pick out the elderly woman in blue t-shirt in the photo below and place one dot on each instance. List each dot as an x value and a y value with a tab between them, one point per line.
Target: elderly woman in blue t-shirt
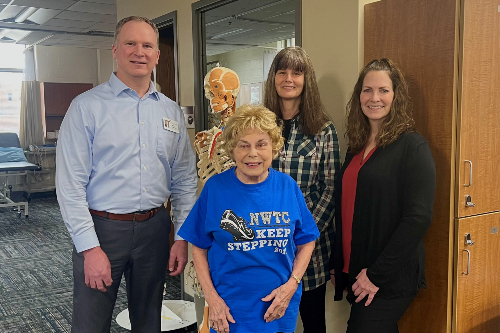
252	232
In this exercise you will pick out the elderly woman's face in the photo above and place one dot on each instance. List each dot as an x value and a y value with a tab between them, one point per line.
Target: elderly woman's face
253	155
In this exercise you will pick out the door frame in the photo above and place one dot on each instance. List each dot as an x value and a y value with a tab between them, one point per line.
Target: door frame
164	21
200	57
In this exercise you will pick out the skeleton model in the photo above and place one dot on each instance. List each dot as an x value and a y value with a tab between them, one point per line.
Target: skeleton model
222	86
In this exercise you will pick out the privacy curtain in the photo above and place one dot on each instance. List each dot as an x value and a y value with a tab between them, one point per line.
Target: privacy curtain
31	127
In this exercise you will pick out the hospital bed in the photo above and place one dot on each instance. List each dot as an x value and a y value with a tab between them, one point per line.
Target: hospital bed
12	163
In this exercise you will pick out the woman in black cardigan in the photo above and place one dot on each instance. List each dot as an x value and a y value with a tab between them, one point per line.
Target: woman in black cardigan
385	192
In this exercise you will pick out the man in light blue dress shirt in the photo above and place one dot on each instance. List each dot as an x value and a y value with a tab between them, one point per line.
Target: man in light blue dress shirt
123	150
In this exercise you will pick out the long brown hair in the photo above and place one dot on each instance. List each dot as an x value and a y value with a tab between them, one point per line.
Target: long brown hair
313	115
398	121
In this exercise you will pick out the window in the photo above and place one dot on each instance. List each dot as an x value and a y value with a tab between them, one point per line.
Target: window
11	77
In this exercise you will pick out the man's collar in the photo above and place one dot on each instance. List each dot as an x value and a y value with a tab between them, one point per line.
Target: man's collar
117	86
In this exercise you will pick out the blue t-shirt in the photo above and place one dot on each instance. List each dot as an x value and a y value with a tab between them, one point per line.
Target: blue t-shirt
251	232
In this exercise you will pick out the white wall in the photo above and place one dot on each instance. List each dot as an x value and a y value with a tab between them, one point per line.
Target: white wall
72	64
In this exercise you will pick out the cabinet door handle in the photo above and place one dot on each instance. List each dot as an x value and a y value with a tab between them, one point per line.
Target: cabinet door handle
468	263
470	173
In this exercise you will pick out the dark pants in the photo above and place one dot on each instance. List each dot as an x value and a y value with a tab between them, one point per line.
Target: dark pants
140	251
312	310
382	315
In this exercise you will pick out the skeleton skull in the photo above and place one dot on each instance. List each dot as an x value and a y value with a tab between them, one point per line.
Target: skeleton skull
222	85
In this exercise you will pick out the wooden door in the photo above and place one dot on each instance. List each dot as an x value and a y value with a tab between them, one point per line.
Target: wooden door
479	117
420	36
477	275
165	71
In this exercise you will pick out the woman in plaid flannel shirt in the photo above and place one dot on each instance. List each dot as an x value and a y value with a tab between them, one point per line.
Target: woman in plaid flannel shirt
311	156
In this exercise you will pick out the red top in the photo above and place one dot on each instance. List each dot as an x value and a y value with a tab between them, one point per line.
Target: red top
349	184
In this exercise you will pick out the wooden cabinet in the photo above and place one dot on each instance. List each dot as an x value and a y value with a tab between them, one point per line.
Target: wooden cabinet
478	270
479	108
57	98
449	51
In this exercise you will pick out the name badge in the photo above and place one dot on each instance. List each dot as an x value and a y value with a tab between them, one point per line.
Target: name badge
170	125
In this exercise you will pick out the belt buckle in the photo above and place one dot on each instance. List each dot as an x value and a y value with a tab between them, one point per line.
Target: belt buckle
142	213
135	215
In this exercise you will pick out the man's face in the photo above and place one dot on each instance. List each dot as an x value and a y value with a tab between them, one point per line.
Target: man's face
136	51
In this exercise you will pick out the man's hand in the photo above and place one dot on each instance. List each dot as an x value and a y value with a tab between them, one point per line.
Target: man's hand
178	257
97	269
363	286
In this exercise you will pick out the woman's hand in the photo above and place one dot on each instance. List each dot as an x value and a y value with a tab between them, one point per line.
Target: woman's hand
282	296
363	287
332	277
218	314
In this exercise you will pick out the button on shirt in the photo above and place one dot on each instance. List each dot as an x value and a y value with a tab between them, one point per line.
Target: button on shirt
116	154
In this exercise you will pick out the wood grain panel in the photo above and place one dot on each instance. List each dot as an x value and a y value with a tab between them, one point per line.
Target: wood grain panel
478	294
480	108
53	123
165	71
58	96
420	36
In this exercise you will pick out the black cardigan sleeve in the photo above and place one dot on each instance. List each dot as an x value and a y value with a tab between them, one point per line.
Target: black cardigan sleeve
419	183
336	258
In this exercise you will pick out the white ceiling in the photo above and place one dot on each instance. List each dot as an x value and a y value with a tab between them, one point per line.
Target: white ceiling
91	23
83	23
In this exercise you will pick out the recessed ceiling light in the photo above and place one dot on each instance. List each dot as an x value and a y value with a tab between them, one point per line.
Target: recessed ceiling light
25	14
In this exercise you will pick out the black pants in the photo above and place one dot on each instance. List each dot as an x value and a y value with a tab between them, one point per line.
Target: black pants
312	310
140	251
381	316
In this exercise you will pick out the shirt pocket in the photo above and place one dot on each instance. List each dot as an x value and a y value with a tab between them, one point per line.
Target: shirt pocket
306	149
166	145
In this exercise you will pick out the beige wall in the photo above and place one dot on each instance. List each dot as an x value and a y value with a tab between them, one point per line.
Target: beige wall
73	64
330	37
66	64
332	34
105	65
156	8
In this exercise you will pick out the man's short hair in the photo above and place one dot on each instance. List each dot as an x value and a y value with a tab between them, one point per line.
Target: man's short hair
138	19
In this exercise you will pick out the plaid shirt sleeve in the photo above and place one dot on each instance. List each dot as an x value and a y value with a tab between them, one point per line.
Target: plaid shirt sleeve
324	208
314	161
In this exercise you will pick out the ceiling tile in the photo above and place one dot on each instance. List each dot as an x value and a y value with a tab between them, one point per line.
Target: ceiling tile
56	22
49	4
103	27
61	29
110	2
17	34
42	15
33	37
91	7
91	17
10	12
90	38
